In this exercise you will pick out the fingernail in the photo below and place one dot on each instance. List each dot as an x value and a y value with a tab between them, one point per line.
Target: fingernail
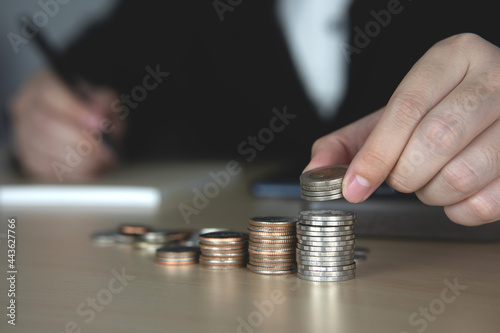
357	189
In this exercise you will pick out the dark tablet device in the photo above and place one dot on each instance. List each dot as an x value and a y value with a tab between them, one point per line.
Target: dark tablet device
386	213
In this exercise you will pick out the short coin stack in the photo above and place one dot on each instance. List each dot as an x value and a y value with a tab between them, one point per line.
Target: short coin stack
223	249
177	255
325	246
272	245
323	183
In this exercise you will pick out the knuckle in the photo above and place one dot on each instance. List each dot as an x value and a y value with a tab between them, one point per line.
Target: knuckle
486	207
409	108
400	183
377	162
441	135
470	98
460	177
460	42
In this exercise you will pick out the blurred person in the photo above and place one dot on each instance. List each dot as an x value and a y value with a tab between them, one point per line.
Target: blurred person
202	79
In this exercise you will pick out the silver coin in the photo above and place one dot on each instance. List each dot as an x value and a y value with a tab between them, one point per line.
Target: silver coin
149	246
325	248
330	254
326	278
219	254
157	236
305	227
187	259
326	234
328	244
326	258
320	188
326	175
271	272
256	238
324	263
320	193
125	239
327	215
270	260
322	198
350	266
104	237
223	260
326	239
328	223
326	273
271	229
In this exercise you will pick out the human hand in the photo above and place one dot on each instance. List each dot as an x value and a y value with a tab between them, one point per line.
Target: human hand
438	136
57	135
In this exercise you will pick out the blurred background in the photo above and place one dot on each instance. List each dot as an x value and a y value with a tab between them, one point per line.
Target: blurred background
65	25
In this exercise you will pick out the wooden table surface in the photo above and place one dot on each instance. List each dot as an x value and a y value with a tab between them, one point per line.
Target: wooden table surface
66	283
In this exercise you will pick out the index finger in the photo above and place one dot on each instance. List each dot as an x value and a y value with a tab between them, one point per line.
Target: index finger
433	77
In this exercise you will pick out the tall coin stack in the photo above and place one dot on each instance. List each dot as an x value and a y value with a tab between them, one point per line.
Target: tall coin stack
272	244
325	245
223	249
322	184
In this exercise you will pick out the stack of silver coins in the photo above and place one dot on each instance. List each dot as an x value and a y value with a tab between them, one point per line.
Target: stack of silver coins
223	250
177	255
323	183
325	245
272	245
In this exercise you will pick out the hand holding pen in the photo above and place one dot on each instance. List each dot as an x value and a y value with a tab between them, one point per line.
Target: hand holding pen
64	129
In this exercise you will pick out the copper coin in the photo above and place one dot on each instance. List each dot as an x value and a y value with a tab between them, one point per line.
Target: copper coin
225	254
223	247
223	237
273	252
223	259
271	260
134	230
273	233
291	240
263	237
270	229
270	270
253	245
273	221
176	263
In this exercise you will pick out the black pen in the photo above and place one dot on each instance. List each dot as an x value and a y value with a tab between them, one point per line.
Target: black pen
60	66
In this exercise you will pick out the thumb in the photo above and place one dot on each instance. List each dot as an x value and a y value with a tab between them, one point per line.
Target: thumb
341	146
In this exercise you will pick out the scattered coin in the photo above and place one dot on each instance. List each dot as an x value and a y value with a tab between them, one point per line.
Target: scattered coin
134	230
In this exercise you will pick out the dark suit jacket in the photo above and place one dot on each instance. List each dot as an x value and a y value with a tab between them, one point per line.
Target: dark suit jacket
227	76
